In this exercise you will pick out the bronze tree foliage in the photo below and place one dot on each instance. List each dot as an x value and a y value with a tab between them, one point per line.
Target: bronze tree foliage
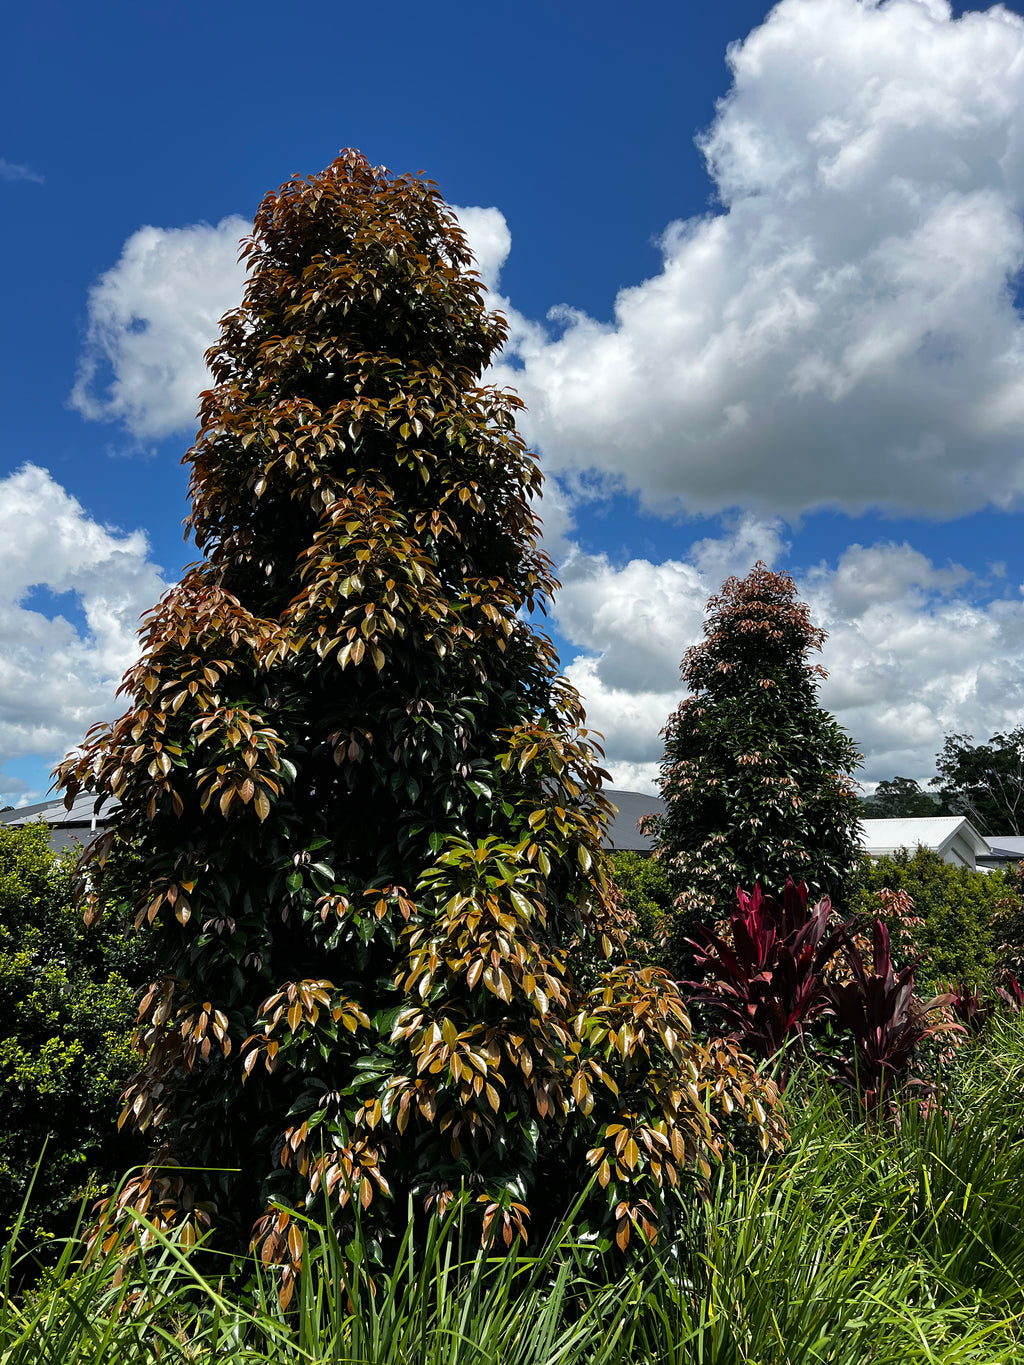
359	810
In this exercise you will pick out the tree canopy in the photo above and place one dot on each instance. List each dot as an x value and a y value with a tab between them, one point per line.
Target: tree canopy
985	782
359	807
756	774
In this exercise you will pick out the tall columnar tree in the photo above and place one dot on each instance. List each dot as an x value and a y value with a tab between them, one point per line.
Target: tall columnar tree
358	808
755	775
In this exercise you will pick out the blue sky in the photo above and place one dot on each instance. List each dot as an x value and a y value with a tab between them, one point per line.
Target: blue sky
763	303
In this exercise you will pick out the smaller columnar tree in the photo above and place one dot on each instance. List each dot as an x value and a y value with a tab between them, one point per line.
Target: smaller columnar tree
755	775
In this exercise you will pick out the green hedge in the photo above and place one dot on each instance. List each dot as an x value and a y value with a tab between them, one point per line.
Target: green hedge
66	1017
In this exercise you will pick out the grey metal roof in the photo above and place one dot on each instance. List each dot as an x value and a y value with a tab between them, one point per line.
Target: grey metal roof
623	834
1006	848
76	826
83	813
877	836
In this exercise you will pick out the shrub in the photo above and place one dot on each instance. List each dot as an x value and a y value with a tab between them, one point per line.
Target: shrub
959	907
776	975
647	902
66	1012
1008	922
881	1021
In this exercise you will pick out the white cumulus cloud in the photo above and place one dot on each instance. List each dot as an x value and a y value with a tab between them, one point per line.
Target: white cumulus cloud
915	651
843	330
152	317
489	240
57	676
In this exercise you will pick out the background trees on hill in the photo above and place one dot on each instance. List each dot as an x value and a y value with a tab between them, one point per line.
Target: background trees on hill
358	805
756	774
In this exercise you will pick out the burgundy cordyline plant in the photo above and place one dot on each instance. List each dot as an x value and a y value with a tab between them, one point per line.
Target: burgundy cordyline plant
969	1007
1011	993
775	969
765	975
877	1008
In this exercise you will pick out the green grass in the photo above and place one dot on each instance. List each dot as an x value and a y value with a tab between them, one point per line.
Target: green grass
880	1243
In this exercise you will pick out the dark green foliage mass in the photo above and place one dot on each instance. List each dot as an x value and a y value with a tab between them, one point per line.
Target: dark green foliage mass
66	1016
647	898
755	775
1008	926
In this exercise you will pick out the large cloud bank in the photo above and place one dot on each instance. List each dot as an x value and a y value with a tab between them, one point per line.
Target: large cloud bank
58	676
914	651
843	331
840	331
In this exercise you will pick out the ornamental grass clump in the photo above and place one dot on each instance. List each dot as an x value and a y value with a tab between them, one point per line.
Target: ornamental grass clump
360	816
896	1244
